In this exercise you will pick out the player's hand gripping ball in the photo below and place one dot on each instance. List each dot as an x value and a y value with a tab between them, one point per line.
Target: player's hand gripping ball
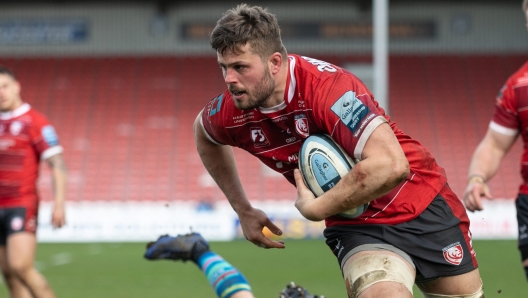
323	163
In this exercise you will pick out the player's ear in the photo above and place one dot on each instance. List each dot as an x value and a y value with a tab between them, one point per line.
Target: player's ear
275	62
17	87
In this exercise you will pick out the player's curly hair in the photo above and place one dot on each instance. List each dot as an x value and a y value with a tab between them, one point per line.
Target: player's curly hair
248	24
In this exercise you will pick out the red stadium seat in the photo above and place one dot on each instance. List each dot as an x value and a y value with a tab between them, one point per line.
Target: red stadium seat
126	122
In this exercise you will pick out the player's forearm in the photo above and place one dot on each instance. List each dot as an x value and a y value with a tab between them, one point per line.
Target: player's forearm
59	172
368	180
59	184
485	162
220	162
489	154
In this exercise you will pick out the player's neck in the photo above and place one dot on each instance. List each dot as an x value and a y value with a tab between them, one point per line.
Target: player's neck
277	97
15	105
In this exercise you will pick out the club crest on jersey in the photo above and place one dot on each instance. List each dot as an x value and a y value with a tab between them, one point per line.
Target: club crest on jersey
301	125
258	137
15	127
350	110
453	253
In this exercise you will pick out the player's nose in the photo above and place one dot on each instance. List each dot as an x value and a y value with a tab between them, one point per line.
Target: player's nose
230	76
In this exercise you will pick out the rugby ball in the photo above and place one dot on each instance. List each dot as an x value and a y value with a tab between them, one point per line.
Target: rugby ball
323	163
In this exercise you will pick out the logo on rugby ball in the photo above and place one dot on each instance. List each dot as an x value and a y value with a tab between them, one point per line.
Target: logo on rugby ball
323	163
454	253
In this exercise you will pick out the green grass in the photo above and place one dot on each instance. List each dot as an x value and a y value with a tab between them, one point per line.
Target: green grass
119	270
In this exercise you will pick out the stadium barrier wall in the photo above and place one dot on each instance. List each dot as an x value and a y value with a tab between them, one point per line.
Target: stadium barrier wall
100	221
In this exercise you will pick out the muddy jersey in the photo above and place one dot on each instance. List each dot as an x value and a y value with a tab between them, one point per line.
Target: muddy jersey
323	98
26	138
511	115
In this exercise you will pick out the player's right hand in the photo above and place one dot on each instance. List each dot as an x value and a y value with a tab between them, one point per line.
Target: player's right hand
58	217
252	221
475	191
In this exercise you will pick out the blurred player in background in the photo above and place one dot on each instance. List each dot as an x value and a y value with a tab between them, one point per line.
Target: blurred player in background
26	138
225	279
415	230
510	120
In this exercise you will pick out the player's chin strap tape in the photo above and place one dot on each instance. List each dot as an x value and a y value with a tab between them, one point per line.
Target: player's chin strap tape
365	271
477	294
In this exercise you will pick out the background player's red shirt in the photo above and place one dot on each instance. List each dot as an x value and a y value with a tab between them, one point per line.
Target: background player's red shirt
511	115
323	98
26	138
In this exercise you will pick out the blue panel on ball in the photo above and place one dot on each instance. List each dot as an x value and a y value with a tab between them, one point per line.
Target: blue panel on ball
329	144
324	171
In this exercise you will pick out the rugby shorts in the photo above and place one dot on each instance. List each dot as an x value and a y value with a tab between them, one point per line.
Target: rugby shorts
438	241
16	219
521	204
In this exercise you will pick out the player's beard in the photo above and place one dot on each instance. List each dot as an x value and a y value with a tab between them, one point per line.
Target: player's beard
263	90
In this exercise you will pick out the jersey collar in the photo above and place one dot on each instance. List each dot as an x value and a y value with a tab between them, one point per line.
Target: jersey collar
21	110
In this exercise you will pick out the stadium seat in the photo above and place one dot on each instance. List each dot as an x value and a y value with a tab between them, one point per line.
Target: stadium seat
126	122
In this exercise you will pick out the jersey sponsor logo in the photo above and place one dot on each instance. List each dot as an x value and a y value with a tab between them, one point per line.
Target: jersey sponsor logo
50	136
293	158
279	119
453	253
243	118
499	96
216	104
258	137
16	127
291	140
301	103
17	223
321	65
6	143
31	224
301	125
350	110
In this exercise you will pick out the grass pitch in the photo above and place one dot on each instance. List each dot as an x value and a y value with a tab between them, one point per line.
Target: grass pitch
118	270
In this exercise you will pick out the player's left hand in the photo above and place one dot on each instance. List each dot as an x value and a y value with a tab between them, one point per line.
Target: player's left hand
305	198
476	190
252	221
58	217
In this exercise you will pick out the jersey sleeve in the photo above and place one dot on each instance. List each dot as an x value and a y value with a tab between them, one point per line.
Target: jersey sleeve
212	121
348	112
505	118
45	139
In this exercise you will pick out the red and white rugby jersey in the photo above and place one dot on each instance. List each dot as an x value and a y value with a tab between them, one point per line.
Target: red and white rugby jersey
511	115
26	137
323	98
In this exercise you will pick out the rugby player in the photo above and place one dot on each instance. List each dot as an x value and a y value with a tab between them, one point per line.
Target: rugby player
415	230
26	139
509	121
